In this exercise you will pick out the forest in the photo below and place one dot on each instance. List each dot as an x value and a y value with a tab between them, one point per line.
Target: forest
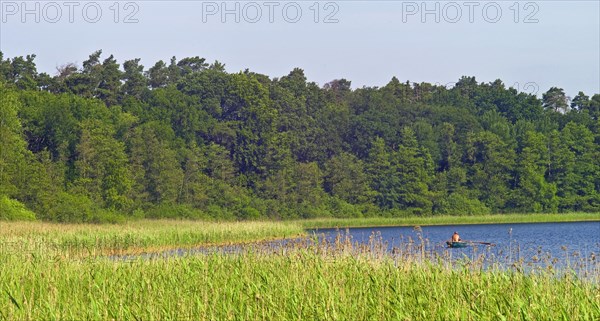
108	142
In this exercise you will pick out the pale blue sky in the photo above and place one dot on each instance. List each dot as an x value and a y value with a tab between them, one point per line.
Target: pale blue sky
371	41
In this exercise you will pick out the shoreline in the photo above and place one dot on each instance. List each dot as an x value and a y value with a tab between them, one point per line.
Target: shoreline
152	237
447	220
158	250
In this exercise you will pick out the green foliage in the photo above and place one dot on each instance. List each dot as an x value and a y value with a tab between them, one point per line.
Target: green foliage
157	173
401	177
555	100
491	161
164	211
102	167
12	145
249	213
459	204
574	183
341	208
346	179
187	139
13	210
534	193
71	208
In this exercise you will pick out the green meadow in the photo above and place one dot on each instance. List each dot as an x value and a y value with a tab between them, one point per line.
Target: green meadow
135	236
53	271
303	285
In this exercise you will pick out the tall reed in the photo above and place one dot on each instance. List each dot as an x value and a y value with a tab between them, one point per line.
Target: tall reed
135	236
309	279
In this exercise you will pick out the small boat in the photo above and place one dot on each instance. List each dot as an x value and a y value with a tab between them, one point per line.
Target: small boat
457	244
461	244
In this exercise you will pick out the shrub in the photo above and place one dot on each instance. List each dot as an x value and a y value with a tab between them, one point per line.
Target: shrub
175	211
249	213
340	208
459	204
107	216
13	210
72	208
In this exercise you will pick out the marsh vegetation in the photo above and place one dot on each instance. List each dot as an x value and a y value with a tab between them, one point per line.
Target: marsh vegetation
306	279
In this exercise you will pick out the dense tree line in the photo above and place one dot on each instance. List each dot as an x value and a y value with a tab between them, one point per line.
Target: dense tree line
105	141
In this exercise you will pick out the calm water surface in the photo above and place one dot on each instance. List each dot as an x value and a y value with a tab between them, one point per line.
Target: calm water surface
560	244
575	245
550	236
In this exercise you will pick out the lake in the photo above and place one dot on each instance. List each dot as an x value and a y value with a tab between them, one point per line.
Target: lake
527	246
559	244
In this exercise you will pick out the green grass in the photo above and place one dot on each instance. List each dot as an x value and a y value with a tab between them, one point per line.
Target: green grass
306	284
51	271
448	220
135	236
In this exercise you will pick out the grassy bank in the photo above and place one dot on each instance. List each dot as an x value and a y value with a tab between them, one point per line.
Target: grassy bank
298	285
135	236
48	273
156	235
448	220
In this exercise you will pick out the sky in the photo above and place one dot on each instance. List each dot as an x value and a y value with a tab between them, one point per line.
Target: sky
529	45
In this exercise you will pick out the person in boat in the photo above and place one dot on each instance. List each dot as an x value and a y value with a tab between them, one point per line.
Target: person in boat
456	237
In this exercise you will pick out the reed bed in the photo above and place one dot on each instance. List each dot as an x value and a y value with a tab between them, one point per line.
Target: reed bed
75	240
307	279
447	220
